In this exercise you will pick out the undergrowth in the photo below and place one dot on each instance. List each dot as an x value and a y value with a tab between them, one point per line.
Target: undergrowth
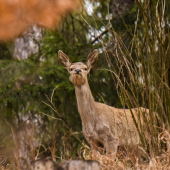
141	72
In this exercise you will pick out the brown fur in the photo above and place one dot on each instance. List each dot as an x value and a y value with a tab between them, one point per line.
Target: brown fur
103	126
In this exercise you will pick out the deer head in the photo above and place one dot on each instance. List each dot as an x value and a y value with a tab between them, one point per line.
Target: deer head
78	71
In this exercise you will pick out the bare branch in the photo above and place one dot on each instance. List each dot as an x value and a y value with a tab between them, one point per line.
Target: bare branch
98	37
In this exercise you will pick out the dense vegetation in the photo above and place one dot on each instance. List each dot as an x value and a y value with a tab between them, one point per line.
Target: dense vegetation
38	108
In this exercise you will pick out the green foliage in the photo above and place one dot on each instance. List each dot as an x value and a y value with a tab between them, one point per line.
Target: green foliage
5	51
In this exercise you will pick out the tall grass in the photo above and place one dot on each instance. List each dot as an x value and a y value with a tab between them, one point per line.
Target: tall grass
143	74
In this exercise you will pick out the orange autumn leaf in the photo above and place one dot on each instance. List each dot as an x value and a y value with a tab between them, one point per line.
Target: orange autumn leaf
17	15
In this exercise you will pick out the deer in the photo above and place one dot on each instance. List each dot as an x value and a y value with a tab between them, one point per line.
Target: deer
103	126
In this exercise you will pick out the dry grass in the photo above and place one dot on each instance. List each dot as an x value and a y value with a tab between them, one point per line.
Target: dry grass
124	159
130	160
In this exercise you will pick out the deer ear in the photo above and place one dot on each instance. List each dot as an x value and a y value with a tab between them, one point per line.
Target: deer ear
65	61
91	59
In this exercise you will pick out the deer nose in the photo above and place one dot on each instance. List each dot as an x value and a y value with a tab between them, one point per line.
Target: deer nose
77	71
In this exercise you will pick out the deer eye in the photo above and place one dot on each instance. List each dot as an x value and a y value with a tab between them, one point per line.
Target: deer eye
71	69
85	69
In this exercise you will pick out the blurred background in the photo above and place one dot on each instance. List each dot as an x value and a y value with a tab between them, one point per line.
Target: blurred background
38	109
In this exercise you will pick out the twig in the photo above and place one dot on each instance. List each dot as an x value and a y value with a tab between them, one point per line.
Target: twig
16	146
99	36
55	110
49	115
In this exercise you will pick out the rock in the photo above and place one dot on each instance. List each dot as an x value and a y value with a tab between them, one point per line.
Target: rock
80	165
49	164
45	164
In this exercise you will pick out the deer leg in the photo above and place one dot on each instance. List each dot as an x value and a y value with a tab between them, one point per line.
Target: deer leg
94	147
111	144
111	141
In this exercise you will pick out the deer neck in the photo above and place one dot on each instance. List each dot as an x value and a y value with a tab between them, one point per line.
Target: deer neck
85	102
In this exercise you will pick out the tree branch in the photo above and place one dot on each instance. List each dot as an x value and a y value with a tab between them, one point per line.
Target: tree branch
98	37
